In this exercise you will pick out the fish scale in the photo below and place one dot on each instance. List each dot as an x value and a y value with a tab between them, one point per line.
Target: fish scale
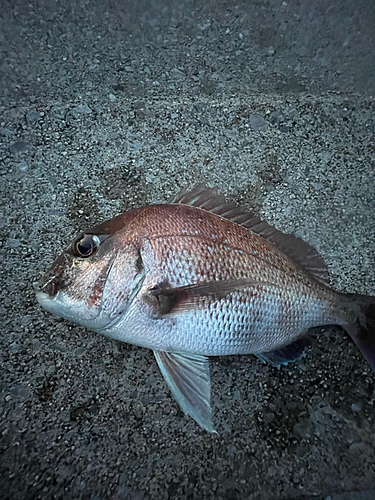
255	305
201	277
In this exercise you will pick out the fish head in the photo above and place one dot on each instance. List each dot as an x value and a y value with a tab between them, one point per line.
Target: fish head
94	280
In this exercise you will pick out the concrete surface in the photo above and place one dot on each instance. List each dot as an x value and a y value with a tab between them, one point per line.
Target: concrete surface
107	106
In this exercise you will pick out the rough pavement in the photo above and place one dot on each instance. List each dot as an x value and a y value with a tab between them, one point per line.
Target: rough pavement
107	106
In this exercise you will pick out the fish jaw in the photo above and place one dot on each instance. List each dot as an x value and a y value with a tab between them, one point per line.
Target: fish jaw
62	306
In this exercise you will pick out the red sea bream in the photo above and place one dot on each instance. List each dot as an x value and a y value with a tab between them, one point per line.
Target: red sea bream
200	277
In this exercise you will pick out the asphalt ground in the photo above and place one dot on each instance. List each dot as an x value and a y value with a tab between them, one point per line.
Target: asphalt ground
109	106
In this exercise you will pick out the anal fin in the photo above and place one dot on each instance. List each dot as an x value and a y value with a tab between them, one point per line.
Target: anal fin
287	354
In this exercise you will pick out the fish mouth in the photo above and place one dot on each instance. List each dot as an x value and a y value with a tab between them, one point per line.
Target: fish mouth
49	287
52	293
56	277
47	291
46	300
43	297
61	306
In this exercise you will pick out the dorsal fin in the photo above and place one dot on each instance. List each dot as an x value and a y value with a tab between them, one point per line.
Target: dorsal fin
300	252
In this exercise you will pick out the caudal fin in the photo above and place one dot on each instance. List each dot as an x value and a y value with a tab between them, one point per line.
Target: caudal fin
362	328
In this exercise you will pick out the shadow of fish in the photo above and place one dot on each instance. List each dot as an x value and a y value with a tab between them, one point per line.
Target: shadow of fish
200	277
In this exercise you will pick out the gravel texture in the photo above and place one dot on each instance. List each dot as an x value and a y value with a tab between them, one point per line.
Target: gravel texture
105	106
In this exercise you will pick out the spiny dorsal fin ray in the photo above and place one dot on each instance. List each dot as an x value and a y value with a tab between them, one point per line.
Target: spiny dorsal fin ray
300	252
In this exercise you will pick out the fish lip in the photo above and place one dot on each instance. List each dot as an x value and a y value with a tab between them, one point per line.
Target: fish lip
57	306
43	298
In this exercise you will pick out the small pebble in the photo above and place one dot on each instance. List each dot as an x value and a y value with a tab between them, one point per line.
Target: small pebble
302	429
356	407
5	132
22	166
32	116
36	345
26	320
82	109
269	417
176	73
99	109
153	22
13	243
199	106
64	471
21	392
56	347
205	25
358	447
19	147
14	348
142	109
79	351
258	123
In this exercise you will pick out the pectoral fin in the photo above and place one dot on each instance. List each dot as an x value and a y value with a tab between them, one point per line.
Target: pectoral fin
188	377
166	300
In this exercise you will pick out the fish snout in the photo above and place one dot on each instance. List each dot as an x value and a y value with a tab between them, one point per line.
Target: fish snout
56	277
52	286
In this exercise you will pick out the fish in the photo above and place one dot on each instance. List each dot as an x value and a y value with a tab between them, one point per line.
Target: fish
199	277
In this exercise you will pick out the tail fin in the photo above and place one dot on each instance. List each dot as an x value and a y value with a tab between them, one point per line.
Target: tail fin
361	328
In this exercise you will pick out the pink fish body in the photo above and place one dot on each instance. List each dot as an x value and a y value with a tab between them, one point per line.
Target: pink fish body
200	277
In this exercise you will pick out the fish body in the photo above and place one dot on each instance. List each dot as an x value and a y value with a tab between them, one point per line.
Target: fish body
200	277
181	248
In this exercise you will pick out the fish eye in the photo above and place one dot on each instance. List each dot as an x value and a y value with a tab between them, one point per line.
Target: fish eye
86	245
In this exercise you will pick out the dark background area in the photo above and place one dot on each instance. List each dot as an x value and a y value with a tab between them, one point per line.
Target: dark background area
105	106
